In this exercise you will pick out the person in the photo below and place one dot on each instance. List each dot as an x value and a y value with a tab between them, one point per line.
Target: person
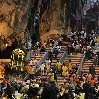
84	78
30	71
60	43
50	56
49	92
35	61
85	89
47	68
56	52
58	64
4	96
42	49
89	77
33	91
1	71
17	95
51	76
92	71
42	67
44	44
64	70
62	90
31	62
92	82
69	66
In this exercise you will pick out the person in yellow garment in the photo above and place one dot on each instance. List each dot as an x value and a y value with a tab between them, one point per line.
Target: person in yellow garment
44	44
51	76
62	90
58	64
70	66
64	70
4	96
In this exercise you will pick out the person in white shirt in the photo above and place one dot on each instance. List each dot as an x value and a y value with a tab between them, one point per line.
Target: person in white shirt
17	95
42	67
31	62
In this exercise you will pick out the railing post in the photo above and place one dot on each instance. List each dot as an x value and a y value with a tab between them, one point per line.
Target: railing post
81	64
63	57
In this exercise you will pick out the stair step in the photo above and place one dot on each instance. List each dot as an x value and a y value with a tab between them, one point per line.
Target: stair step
88	62
87	66
73	60
76	62
97	71
88	69
61	81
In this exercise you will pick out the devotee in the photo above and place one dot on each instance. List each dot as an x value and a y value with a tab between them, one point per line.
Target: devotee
50	91
35	61
76	85
31	62
30	71
47	68
89	77
51	76
58	64
62	91
1	71
42	67
64	70
50	56
56	52
92	71
70	66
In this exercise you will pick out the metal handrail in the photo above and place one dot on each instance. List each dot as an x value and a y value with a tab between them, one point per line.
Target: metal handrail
81	64
63	57
44	57
82	61
38	64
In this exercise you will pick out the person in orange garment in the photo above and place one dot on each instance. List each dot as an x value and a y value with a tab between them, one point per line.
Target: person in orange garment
84	78
92	82
89	77
30	71
71	77
1	71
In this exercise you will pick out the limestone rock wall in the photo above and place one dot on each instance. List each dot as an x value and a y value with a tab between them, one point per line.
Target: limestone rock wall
12	16
50	21
6	10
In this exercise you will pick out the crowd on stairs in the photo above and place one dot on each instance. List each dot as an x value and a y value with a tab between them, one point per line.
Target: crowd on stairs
42	82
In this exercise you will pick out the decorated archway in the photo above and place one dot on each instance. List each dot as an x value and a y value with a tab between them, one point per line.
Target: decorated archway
17	58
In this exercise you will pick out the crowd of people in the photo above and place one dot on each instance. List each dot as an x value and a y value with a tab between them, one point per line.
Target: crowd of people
42	82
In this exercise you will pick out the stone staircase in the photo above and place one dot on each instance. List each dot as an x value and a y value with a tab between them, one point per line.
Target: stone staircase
60	80
75	59
39	55
86	65
61	52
